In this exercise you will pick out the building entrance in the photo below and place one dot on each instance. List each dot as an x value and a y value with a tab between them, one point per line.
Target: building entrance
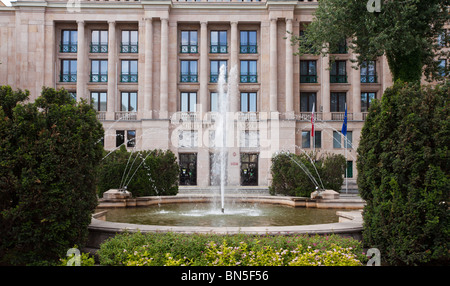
249	169
188	169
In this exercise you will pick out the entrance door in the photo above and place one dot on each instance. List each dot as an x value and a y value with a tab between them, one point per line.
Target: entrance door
349	173
188	169
249	169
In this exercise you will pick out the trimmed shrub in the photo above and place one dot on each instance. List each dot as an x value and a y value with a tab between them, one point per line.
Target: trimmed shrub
158	249
404	174
295	175
49	152
144	173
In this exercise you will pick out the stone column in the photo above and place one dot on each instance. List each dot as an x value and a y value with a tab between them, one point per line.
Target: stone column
289	72
81	62
148	80
50	53
325	88
164	80
234	65
273	65
112	71
356	91
203	76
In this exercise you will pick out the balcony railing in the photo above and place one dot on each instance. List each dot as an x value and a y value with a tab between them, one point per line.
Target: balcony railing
308	78
218	49
364	115
249	49
99	48
188	49
248	78
129	48
306	116
369	79
125	115
101	115
68	78
251	1
338	78
188	77
339	116
68	48
248	116
129	77
98	77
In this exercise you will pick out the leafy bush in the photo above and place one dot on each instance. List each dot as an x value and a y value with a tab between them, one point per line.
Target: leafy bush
295	175
158	249
49	152
404	174
145	173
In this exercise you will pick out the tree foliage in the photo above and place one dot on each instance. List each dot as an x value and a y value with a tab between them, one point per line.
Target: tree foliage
404	174
49	151
405	31
144	173
299	175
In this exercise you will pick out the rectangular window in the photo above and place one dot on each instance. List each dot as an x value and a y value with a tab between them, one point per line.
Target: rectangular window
341	48
189	42
188	71
129	42
318	139
308	72
99	71
214	102
248	72
338	73
443	38
366	99
98	100
188	102
99	41
131	138
306	139
129	71
337	140
69	40
215	70
307	100
218	42
337	101
348	143
128	101
368	72
248	101
442	68
68	71
120	137
248	42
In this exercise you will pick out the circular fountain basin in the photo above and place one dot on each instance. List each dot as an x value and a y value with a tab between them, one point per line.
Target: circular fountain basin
210	215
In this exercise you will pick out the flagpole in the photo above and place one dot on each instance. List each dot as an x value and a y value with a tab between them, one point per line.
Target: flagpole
346	165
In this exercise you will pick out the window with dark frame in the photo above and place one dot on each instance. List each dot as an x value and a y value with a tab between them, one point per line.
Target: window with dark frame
338	72
307	100
248	42
99	100
129	42
128	101
99	41
68	71
308	71
69	41
189	42
99	71
248	102
188	102
366	99
337	101
248	72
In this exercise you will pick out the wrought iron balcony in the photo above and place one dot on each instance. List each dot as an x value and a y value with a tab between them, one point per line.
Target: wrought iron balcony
249	78
188	77
308	78
338	78
218	49
99	48
68	48
129	48
68	78
188	49
98	77
249	49
369	78
129	77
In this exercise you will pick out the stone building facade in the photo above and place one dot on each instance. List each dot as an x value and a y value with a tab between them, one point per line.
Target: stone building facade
150	68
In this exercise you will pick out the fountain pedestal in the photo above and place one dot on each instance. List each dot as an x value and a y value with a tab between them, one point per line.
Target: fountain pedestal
325	195
116	194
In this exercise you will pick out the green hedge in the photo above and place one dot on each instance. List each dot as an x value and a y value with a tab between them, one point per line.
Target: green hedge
290	178
158	249
404	174
157	175
49	152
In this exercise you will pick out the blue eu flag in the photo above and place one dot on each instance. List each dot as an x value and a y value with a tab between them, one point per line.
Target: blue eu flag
344	125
